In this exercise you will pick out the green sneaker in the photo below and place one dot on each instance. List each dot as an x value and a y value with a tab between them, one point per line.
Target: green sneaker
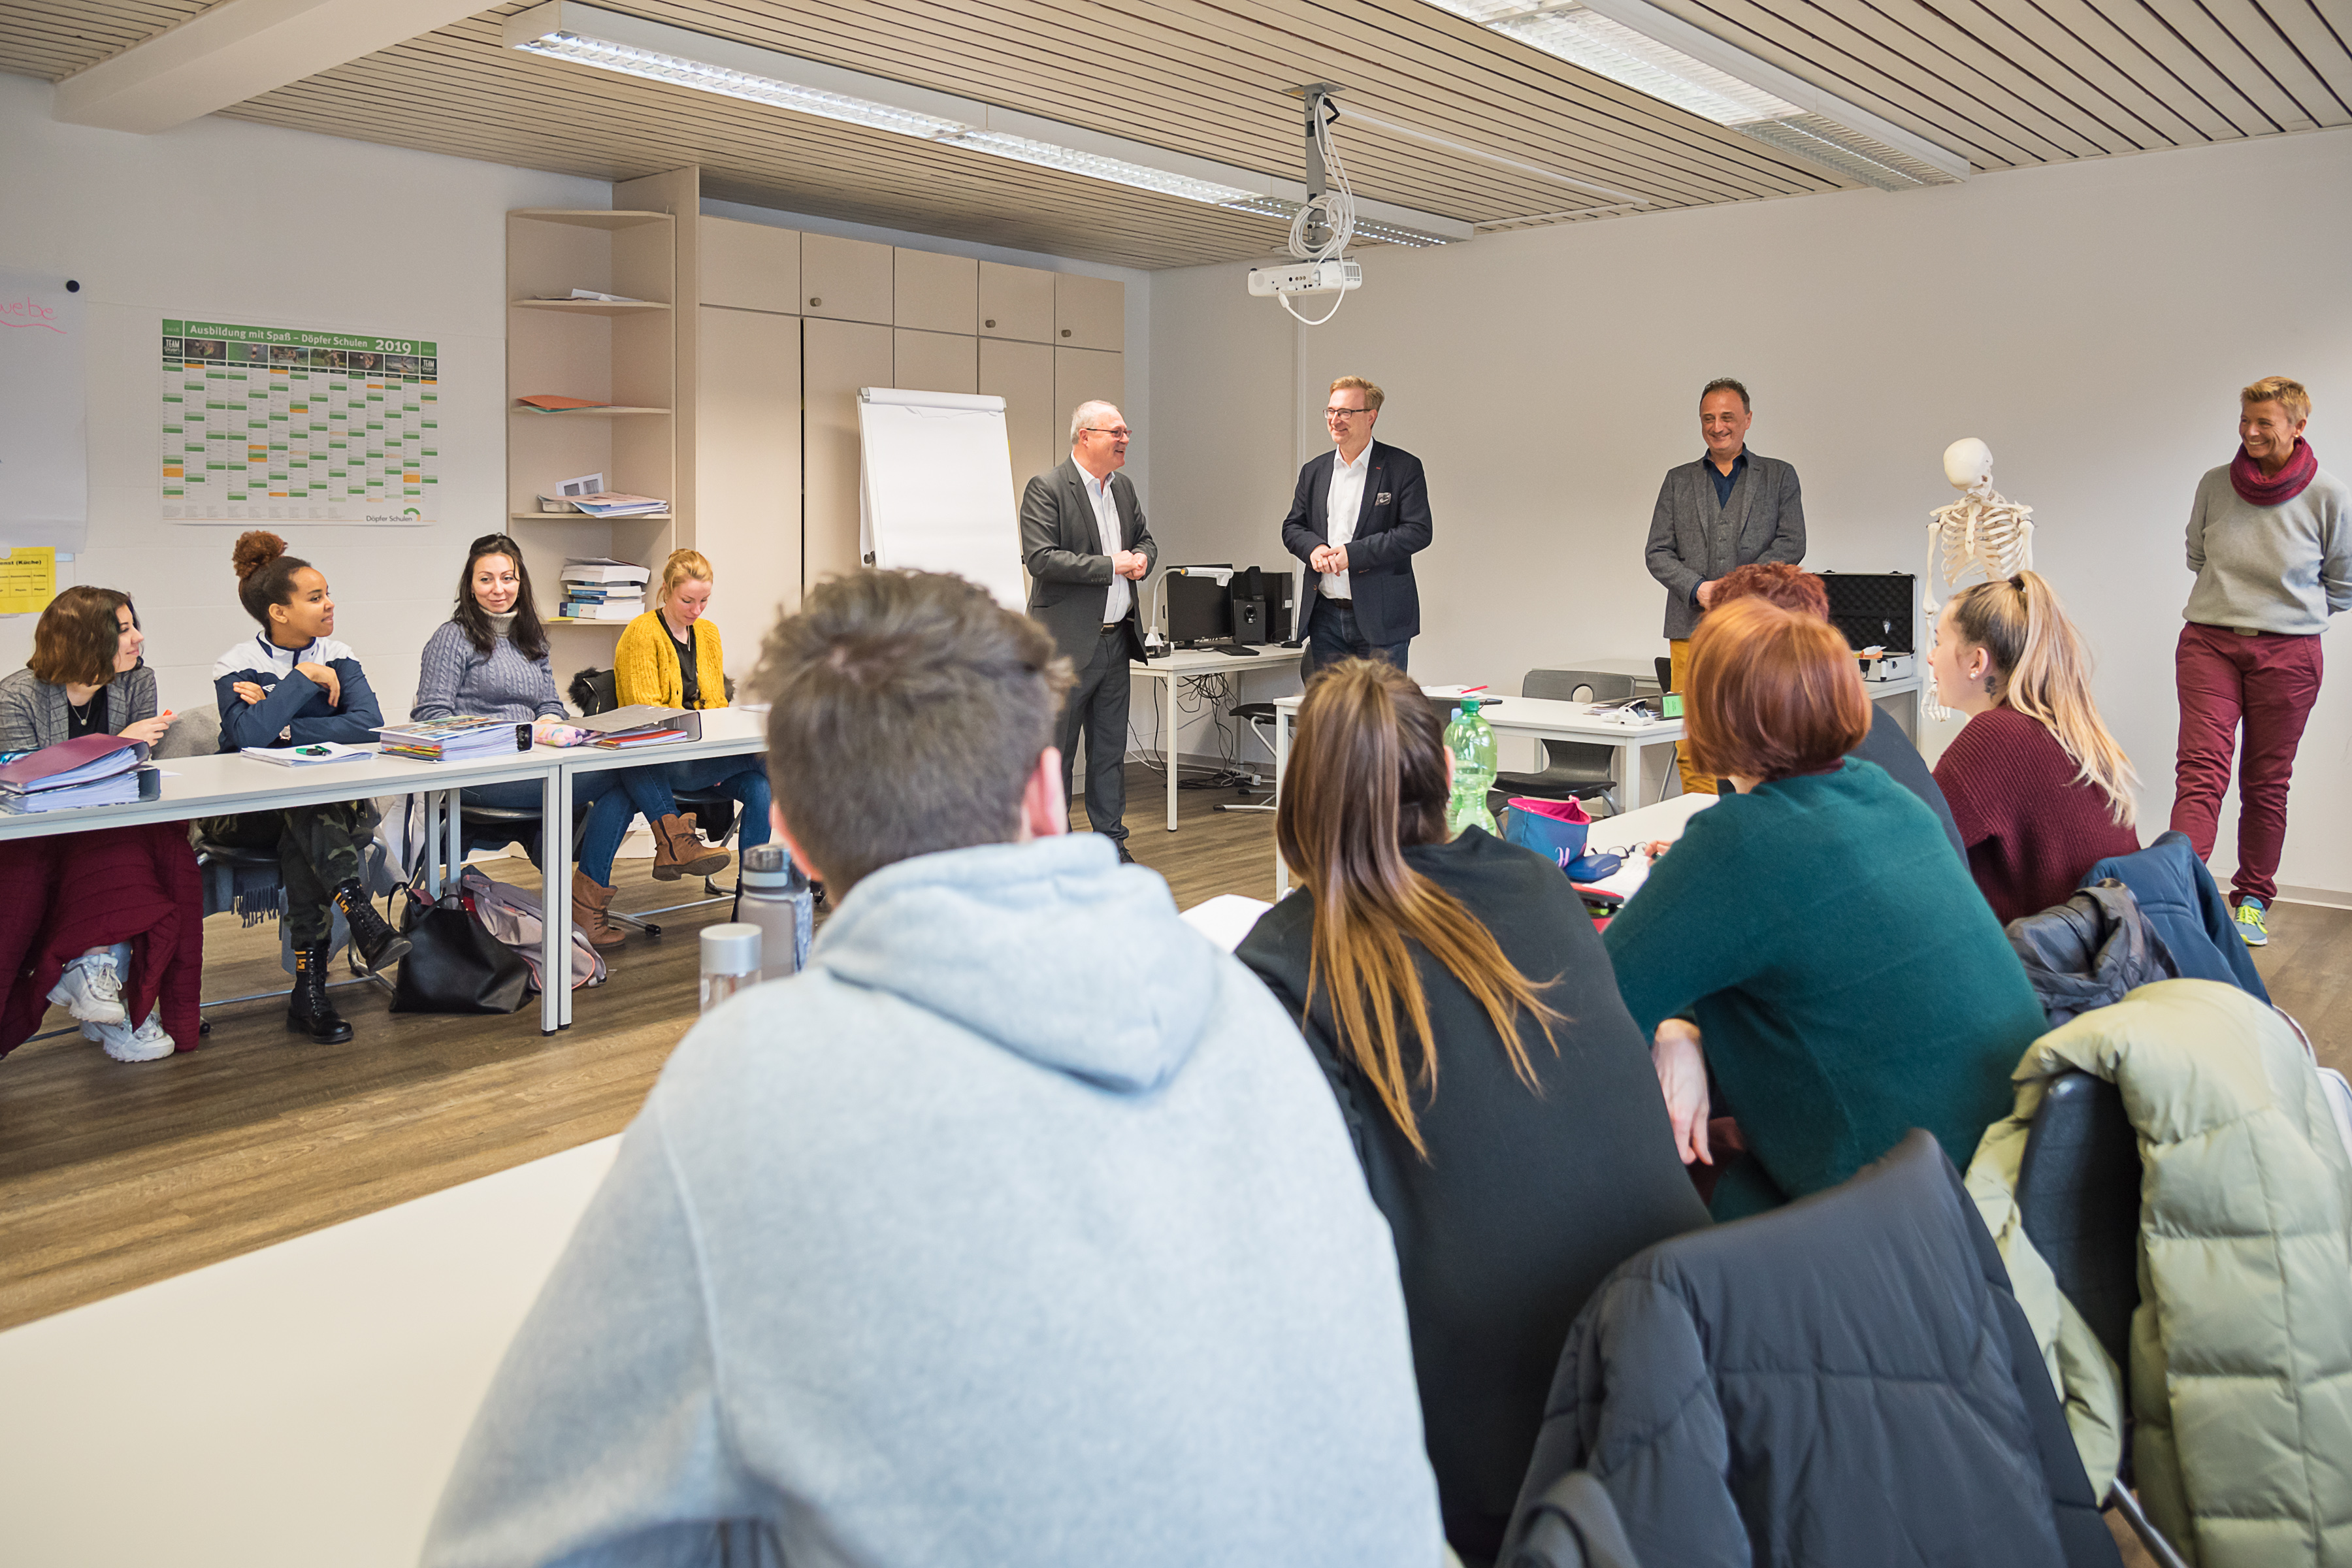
2250	922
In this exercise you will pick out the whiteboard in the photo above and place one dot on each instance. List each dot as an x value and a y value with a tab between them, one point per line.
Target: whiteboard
44	456
936	491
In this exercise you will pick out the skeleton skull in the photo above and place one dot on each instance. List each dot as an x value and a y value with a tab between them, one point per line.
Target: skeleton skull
1968	463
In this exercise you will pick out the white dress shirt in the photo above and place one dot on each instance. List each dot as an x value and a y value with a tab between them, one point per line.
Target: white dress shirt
1346	500
1106	530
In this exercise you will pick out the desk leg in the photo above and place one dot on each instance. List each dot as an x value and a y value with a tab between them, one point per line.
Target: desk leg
427	849
1281	760
555	844
456	861
1168	752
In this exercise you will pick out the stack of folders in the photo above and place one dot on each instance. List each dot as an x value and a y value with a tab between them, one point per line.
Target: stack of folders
603	590
625	728
454	740
92	770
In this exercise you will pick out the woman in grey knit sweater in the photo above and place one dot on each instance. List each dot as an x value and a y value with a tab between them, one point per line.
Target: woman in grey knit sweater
489	660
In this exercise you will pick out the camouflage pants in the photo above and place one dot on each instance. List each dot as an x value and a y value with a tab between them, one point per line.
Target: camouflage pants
320	848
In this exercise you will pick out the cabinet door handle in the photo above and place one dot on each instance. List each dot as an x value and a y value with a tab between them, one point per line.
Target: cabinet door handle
814	301
989	324
1065	331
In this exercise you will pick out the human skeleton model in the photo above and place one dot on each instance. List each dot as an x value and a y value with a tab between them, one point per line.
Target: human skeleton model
1983	531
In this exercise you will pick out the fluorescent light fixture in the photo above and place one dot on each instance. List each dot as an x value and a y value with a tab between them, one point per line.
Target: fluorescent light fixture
656	51
1653	51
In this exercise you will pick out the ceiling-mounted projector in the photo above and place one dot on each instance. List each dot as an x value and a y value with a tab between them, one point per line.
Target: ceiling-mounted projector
1305	277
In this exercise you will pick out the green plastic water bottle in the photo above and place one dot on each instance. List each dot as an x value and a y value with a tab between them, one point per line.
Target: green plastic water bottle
1470	740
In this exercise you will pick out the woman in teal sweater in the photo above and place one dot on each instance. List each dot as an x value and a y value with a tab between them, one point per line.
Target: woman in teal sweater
1813	939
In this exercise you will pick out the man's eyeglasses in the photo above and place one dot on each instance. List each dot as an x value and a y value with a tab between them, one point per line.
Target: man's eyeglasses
1344	413
1120	433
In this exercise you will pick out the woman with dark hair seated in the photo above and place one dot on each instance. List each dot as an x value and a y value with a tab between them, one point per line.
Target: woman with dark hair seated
489	659
294	685
125	902
1498	1094
1812	941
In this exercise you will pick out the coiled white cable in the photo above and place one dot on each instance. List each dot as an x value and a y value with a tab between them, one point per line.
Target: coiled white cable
1337	210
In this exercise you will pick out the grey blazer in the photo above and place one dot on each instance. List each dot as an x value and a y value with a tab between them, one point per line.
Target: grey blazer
33	711
1694	539
1068	573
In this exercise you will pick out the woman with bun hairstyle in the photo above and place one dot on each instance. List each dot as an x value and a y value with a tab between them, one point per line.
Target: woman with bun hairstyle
107	924
489	659
671	658
2040	790
294	685
1813	949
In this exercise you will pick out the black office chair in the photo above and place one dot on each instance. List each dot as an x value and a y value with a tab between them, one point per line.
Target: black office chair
2078	1197
595	692
1572	770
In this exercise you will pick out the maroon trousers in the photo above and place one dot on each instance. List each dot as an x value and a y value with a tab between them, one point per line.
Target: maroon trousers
2267	683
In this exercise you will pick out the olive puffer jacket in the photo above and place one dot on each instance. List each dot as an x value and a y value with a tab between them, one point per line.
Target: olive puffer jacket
2240	1382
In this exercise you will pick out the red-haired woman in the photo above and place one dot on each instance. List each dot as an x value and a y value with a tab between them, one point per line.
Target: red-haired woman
1498	1095
1812	939
107	924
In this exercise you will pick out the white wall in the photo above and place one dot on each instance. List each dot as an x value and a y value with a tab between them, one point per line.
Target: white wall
2092	322
228	222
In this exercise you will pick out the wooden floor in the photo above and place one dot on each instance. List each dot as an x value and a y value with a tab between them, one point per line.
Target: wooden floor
114	1175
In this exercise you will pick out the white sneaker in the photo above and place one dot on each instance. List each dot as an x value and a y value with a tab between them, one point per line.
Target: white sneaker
90	990
145	1044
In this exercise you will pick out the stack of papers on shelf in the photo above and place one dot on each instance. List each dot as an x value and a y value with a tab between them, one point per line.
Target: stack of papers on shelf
592	294
616	503
550	403
306	757
91	770
454	740
603	590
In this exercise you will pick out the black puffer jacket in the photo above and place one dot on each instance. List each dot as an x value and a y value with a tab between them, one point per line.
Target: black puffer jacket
2088	952
1845	1381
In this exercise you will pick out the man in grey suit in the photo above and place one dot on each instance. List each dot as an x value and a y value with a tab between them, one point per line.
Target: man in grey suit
1731	509
1084	542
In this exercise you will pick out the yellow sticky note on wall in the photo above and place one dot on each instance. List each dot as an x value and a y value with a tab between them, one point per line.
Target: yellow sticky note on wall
28	580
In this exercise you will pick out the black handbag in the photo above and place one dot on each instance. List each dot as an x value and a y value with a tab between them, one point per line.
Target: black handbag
455	965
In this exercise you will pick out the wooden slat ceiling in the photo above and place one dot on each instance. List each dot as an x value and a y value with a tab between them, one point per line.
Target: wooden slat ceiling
2006	82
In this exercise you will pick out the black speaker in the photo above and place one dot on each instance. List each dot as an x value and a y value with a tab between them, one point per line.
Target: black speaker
1248	592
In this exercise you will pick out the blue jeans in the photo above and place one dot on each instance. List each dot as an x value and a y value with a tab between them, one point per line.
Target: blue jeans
1333	635
608	814
653	791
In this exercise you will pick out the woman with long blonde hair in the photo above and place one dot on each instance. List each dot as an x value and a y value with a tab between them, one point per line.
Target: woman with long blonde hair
1498	1093
2038	789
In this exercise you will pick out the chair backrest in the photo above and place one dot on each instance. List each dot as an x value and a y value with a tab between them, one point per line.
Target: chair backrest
2078	1196
594	691
194	733
1576	685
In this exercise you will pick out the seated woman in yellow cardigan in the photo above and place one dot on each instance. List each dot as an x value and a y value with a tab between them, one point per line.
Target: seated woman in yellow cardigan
671	658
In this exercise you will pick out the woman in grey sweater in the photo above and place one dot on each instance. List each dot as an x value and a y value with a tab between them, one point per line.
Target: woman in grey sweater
489	660
87	677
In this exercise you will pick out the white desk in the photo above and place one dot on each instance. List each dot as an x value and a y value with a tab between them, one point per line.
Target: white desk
1205	661
1535	718
302	1404
225	784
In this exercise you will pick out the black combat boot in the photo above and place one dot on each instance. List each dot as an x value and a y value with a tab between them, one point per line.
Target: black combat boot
309	1010
380	946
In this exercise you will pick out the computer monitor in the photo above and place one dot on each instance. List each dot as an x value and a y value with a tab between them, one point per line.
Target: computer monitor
1199	609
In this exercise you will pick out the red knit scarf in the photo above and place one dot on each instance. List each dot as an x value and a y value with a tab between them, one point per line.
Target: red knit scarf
2258	489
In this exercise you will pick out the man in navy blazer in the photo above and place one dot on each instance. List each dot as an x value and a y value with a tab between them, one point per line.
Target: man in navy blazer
1360	600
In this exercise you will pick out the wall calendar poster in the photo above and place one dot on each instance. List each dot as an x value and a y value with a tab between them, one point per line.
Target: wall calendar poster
279	425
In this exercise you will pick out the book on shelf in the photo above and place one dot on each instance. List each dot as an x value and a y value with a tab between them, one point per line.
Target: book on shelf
604	610
617	503
454	740
601	569
592	294
549	403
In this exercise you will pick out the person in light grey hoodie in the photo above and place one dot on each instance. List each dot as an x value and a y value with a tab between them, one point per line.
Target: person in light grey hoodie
1020	1227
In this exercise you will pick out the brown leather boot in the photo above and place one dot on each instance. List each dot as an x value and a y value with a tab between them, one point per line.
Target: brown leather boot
589	900
678	853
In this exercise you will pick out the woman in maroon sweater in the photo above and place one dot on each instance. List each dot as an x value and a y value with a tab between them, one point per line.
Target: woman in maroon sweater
2038	789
